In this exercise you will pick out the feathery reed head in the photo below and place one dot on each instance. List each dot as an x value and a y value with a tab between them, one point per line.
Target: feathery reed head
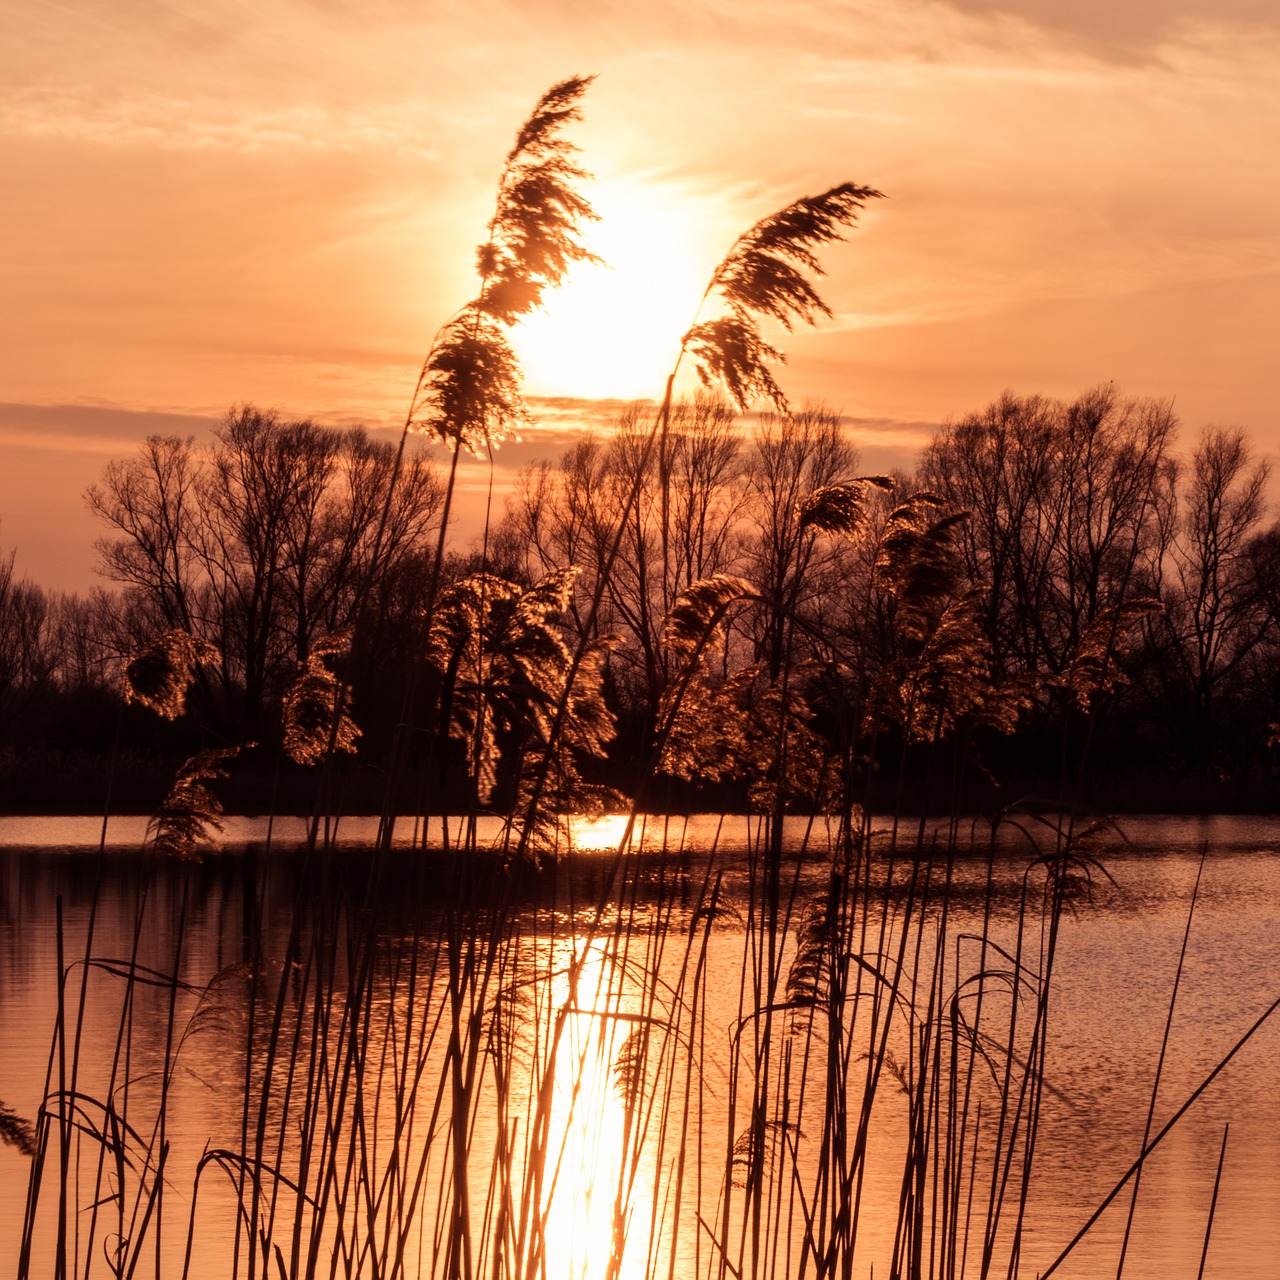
759	1148
917	562
706	725
698	610
16	1132
507	666
1094	667
817	940
160	673
191	811
469	394
841	508
311	703
950	677
764	275
732	352
535	234
629	1065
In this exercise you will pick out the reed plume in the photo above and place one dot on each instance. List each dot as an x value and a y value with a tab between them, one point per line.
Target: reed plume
1094	666
160	673
951	675
764	277
190	812
310	705
507	668
706	725
693	621
916	561
468	393
841	508
536	232
16	1132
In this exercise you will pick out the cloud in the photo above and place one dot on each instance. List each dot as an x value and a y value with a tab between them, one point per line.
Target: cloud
208	202
1134	29
174	123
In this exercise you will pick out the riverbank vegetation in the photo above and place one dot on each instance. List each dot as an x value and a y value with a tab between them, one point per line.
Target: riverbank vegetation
1058	520
680	612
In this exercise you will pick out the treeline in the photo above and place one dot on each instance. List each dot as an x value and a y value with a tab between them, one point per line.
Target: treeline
1058	600
261	545
1125	594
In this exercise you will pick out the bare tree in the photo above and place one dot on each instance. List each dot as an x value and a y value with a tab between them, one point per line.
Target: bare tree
151	505
684	523
791	566
1066	501
28	654
263	542
1215	606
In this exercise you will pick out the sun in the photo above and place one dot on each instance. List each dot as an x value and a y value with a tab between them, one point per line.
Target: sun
614	330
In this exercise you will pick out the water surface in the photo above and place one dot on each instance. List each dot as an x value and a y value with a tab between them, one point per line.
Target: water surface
1115	968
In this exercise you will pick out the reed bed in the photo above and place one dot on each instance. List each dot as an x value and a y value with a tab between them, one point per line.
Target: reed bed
812	1054
676	1062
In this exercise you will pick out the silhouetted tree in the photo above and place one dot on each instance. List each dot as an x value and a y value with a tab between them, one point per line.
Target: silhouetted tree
686	522
791	566
261	543
1065	503
1215	615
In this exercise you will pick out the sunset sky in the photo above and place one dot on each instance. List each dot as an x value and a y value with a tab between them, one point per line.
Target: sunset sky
278	202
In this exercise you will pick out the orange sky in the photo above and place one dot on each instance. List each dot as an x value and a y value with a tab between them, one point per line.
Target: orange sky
279	202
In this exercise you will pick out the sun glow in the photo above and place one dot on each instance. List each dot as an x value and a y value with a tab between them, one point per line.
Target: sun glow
614	330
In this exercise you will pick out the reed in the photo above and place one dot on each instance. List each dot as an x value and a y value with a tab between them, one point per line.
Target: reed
519	1059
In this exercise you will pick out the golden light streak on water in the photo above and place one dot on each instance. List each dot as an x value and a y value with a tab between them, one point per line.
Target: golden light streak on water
586	1198
604	833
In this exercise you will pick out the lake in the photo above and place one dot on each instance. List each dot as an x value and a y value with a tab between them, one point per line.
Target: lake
648	1080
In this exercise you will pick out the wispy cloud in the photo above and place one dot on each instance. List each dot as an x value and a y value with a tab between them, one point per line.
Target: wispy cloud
209	202
177	123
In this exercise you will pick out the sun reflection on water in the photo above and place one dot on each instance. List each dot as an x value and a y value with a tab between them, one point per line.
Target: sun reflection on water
603	833
587	1201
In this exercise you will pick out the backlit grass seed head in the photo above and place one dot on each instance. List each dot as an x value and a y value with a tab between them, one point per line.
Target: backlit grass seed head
764	276
160	673
951	676
506	667
310	705
787	760
706	726
917	561
817	940
16	1132
698	610
731	352
841	508
191	813
468	394
535	234
757	1152
1094	668
628	1066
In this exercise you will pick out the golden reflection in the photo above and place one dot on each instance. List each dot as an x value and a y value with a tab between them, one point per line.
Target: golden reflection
599	834
589	1119
588	1201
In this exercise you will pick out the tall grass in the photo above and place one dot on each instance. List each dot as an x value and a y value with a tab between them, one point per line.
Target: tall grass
525	1060
680	1062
